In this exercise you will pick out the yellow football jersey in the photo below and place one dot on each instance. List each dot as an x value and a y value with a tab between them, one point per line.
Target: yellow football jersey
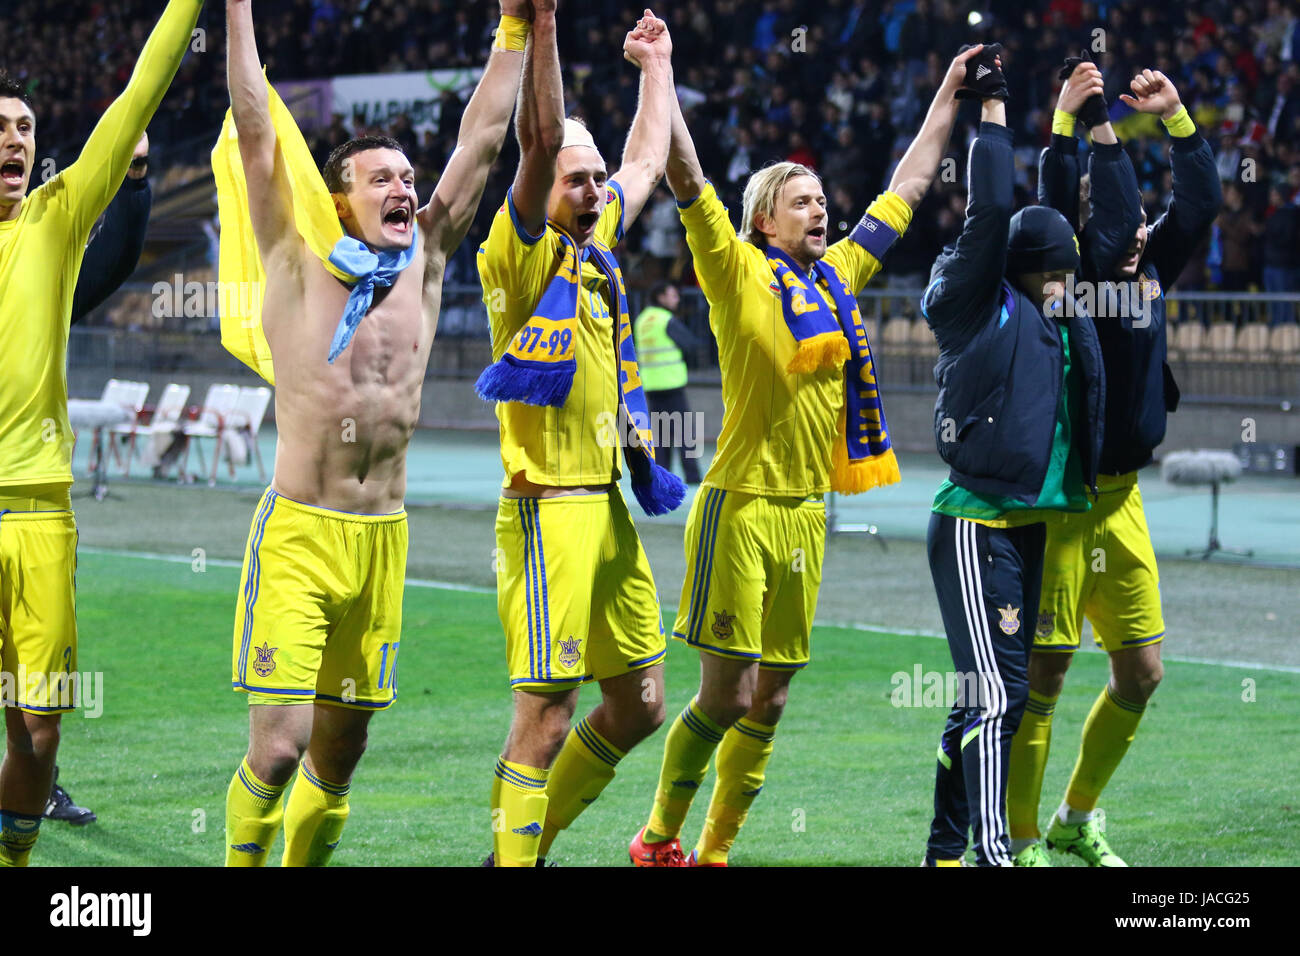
779	429
555	446
40	259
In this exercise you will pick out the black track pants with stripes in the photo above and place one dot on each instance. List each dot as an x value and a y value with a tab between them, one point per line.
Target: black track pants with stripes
988	582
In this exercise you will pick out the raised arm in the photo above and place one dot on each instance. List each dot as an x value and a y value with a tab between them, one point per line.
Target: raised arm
917	169
967	276
114	249
450	211
539	121
1114	208
94	178
685	175
645	154
270	197
715	248
1058	164
1198	194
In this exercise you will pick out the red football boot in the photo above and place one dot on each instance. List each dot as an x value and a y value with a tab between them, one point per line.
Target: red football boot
668	853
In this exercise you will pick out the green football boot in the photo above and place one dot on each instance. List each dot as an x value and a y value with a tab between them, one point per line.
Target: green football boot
1084	840
1032	855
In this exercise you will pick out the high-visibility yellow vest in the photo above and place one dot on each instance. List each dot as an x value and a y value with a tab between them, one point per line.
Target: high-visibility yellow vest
659	359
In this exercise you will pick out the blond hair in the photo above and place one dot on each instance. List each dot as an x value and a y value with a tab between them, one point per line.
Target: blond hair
761	193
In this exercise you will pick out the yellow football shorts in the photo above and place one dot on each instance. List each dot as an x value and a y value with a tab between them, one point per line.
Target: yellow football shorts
574	591
1100	564
319	614
753	570
38	615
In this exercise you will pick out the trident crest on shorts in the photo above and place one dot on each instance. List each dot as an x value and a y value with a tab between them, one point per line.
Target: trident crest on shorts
265	662
569	651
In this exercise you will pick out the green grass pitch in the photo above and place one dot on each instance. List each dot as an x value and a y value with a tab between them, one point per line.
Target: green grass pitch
849	783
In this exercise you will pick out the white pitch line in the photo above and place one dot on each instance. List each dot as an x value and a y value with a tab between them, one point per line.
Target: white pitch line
850	625
227	563
1175	658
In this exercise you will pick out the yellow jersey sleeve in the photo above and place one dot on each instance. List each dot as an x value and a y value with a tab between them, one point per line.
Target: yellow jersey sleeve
609	230
40	258
850	257
721	258
90	183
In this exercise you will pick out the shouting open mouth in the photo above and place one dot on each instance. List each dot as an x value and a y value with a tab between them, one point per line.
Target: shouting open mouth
398	218
12	172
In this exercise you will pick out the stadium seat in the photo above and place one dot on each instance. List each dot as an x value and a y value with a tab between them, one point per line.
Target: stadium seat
165	421
1252	342
897	332
212	423
922	339
1189	339
129	395
246	423
1221	340
1284	343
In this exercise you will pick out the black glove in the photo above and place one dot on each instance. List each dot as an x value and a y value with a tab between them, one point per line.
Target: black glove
1093	112
984	79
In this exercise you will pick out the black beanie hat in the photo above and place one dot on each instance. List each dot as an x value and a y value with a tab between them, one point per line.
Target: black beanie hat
1041	240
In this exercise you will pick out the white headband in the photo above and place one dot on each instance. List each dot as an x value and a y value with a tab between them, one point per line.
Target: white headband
575	134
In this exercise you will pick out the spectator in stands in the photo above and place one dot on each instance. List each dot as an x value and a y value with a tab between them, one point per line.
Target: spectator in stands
1237	230
1282	254
1236	61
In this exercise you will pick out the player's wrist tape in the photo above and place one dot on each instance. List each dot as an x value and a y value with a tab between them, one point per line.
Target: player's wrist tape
1180	124
512	34
1063	123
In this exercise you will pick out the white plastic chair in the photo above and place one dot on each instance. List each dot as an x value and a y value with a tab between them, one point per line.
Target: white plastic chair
246	421
130	396
166	420
213	421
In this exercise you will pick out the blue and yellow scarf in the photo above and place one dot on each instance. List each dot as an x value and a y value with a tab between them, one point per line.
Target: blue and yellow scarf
539	365
863	458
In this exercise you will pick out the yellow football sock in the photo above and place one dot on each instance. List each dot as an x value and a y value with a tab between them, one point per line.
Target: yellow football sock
313	820
253	813
1110	728
18	833
1029	749
691	741
518	809
583	768
742	761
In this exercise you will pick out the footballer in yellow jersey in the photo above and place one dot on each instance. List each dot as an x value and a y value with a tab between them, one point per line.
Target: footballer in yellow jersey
574	590
318	624
42	240
1120	597
756	533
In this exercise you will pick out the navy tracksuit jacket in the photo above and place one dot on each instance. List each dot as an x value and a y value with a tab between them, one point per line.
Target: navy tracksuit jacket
1000	378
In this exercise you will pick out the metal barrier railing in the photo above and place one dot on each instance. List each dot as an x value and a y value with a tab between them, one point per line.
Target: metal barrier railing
171	326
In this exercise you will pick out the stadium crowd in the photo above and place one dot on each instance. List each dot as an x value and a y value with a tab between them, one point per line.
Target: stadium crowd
840	85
